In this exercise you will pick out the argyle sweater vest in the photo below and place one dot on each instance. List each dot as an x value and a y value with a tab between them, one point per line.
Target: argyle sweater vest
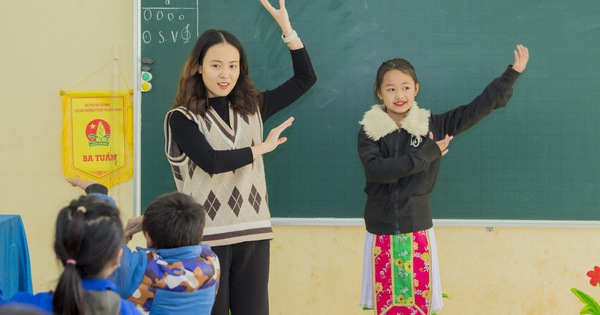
235	202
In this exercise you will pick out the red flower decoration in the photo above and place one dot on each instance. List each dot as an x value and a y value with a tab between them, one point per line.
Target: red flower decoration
594	276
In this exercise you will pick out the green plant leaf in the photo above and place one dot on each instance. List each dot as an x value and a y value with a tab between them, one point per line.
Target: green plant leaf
591	306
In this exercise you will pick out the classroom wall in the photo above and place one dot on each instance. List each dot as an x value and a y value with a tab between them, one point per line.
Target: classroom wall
317	270
52	45
48	46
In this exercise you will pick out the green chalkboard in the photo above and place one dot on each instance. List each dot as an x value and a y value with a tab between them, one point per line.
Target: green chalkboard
536	159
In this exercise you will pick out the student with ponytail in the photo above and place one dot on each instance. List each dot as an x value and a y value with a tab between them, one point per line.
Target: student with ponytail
89	244
175	274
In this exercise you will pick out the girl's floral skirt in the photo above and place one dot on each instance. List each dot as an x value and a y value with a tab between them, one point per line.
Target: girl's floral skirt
401	274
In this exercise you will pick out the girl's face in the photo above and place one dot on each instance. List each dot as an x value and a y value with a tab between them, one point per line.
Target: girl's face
220	69
398	91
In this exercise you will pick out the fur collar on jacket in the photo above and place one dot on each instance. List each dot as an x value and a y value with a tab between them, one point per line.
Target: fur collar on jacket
377	123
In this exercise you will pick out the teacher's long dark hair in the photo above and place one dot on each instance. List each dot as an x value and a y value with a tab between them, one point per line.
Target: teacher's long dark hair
191	92
89	234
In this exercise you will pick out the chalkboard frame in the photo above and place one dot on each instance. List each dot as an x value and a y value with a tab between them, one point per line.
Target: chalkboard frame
539	74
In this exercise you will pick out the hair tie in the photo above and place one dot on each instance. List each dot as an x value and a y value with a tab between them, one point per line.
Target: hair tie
81	208
72	261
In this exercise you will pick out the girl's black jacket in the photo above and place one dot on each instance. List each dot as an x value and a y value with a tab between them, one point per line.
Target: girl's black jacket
401	164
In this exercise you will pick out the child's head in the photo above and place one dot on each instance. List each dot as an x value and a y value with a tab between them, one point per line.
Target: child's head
396	85
217	66
173	220
88	242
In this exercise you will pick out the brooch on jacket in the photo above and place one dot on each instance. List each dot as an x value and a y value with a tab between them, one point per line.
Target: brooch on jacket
415	141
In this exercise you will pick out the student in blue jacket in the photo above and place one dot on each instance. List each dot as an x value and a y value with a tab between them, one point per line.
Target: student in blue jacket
175	274
400	146
88	242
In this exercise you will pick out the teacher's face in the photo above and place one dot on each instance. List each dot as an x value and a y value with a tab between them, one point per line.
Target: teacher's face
220	69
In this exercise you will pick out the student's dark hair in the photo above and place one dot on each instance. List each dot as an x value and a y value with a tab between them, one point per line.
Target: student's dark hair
174	220
394	64
89	234
192	93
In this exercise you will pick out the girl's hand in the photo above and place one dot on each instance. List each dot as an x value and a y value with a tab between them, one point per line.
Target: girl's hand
273	140
442	144
281	16
521	58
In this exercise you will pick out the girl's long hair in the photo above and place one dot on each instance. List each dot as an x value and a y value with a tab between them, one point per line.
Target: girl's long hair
89	234
191	92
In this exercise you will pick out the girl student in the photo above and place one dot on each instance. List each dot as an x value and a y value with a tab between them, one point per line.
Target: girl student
400	146
214	143
88	242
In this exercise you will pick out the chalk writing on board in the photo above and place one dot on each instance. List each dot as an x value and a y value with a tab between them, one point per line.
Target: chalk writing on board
168	24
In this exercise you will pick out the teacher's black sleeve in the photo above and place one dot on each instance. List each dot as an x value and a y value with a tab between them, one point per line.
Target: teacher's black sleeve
284	95
193	143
